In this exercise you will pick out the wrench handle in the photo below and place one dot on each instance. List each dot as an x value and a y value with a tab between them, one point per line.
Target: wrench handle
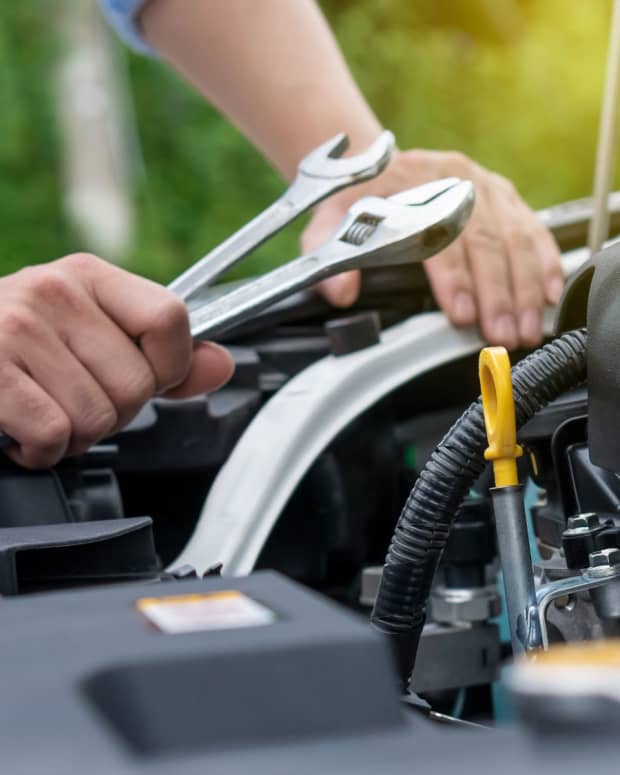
243	302
233	249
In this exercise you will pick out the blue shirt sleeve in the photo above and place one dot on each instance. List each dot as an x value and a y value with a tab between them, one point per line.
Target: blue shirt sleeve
122	15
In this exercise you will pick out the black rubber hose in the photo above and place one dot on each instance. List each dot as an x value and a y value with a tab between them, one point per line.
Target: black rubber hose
424	524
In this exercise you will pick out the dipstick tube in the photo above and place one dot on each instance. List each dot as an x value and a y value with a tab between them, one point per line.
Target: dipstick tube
507	495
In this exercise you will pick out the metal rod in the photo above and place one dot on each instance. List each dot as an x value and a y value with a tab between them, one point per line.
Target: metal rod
516	561
606	150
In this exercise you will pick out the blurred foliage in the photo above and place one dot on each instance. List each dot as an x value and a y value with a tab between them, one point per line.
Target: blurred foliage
515	84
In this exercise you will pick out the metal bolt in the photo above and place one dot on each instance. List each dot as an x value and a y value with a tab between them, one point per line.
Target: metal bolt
605	561
605	558
582	523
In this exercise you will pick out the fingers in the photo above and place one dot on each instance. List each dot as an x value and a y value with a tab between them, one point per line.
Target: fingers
505	260
341	290
212	366
491	276
148	313
499	273
71	370
116	363
91	413
31	417
533	260
551	261
526	274
452	284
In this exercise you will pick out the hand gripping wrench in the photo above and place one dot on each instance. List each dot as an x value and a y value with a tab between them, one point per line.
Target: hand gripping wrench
405	228
319	175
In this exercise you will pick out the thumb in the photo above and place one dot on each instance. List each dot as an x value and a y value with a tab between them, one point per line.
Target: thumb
212	366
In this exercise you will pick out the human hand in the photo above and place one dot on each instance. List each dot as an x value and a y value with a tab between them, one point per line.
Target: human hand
83	344
500	272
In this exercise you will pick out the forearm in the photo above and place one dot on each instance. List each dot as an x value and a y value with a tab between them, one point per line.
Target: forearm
272	67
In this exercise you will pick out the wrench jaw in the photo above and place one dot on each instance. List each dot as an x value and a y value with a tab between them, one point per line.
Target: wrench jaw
419	224
325	161
424	193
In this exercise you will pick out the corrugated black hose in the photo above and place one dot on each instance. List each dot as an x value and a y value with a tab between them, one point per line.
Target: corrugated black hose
424	524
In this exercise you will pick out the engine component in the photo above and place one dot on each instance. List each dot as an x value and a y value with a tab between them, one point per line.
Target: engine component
449	605
605	563
60	555
579	539
425	522
512	537
355	332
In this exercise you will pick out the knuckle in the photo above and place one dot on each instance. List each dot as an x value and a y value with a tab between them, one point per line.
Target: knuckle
49	286
80	262
18	322
482	240
520	239
129	395
170	317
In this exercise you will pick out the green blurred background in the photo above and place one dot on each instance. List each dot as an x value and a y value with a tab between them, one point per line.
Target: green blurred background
516	84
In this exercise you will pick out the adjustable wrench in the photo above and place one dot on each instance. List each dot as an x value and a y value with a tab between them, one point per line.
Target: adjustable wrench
405	228
319	175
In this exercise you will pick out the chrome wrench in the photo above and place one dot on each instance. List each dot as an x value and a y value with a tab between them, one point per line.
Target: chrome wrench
405	228
319	175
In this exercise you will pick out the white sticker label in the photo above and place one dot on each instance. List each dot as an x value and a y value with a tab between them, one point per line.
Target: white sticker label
225	610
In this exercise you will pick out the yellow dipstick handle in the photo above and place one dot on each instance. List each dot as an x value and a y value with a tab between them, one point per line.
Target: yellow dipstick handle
499	415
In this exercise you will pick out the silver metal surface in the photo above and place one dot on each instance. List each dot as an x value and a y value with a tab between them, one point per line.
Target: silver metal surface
464	606
371	578
606	599
447	605
516	562
605	562
464	651
319	175
573	618
582	523
561	588
404	228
